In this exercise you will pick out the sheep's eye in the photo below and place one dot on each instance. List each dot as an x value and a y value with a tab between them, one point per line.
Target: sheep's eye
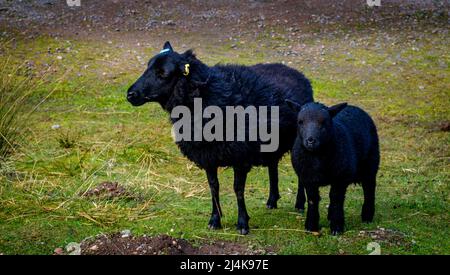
300	121
160	74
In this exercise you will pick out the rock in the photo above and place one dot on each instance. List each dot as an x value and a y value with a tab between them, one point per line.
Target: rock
125	233
168	23
73	248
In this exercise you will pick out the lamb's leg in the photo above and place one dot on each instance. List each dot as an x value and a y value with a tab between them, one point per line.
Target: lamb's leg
301	199
368	209
312	215
274	194
240	176
214	222
336	209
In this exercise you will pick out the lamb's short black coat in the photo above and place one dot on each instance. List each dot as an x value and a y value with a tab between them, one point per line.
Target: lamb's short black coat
165	81
335	146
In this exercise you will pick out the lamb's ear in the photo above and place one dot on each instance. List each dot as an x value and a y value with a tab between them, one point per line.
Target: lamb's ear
334	110
167	46
293	105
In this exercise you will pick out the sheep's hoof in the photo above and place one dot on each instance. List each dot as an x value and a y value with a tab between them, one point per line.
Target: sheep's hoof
336	232
214	227
272	202
243	231
300	210
242	228
214	223
311	227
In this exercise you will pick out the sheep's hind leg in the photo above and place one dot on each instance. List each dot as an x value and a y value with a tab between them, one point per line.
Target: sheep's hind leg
240	176
274	194
214	221
368	209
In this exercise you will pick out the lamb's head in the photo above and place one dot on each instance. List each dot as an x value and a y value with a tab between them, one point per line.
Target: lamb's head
163	72
315	123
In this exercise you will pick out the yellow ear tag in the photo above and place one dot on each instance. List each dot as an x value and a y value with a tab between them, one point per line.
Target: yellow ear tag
186	69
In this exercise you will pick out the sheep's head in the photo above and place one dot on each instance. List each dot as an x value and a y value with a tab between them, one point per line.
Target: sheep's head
314	123
159	79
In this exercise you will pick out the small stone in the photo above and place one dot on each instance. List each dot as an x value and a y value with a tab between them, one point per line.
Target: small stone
73	248
125	233
94	247
56	126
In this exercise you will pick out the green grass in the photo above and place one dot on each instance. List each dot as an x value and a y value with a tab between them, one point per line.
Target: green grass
103	138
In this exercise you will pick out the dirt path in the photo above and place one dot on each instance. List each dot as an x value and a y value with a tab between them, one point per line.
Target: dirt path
218	19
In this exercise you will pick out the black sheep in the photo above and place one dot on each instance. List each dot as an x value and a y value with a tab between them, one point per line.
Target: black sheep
174	79
335	146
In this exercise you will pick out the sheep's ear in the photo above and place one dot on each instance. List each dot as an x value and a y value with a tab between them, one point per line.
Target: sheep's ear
167	46
334	110
293	105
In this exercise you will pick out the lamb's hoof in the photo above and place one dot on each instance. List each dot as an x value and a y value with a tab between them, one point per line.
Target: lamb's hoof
367	213
367	218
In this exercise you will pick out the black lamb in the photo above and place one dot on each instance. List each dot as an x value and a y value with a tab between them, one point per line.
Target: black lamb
335	146
173	79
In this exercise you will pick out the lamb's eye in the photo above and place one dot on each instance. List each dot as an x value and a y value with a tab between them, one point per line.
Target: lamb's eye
300	121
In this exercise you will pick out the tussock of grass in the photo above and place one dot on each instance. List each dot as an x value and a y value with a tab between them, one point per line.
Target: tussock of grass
15	89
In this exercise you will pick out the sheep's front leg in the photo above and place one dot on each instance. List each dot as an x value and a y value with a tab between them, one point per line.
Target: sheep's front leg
274	194
214	221
312	215
336	209
240	176
301	198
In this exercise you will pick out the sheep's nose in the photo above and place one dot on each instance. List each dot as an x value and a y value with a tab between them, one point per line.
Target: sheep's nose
131	94
311	140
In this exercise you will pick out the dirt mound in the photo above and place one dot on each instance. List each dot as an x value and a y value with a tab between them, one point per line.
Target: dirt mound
107	190
445	126
125	244
387	236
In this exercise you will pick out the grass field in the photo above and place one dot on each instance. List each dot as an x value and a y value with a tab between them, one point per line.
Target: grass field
401	78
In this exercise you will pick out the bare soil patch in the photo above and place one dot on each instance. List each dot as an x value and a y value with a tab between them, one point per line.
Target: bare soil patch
387	236
125	244
107	190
